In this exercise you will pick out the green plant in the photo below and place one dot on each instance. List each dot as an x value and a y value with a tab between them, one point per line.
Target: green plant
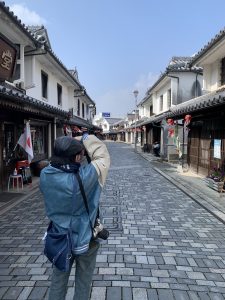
217	174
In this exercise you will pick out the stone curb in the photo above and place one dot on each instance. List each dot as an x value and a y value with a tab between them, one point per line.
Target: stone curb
203	202
19	200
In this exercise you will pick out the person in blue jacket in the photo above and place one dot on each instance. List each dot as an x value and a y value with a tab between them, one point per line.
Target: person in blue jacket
65	207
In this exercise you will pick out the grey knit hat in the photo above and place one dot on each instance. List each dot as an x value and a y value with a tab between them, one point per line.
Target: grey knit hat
67	147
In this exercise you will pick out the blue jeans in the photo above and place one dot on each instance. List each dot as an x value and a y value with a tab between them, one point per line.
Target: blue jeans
85	265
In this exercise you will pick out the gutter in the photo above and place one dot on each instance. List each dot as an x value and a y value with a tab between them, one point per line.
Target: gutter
207	48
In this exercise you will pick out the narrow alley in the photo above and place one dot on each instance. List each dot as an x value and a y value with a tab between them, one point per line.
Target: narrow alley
162	244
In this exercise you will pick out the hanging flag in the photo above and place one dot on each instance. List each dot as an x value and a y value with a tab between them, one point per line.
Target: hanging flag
26	143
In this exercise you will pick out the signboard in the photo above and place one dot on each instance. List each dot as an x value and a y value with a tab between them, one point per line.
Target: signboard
106	115
217	149
7	58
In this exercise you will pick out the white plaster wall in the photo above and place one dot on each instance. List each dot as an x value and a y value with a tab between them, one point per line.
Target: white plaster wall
161	91
174	91
36	90
71	100
105	125
186	82
154	101
206	78
141	109
211	76
215	76
29	66
146	109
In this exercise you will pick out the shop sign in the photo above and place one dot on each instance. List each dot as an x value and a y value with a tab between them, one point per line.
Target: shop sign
217	149
7	59
106	114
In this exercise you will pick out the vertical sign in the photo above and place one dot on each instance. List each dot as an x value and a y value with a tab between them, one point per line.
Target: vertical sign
7	58
217	149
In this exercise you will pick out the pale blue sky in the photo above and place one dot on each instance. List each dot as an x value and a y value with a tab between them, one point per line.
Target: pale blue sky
118	46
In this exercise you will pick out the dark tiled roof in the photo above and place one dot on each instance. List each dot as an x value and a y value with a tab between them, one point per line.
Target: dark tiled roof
177	64
21	98
139	122
32	35
40	33
112	121
146	97
153	119
120	122
212	99
79	122
208	46
18	22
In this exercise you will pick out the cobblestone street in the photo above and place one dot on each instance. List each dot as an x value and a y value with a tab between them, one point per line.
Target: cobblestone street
162	244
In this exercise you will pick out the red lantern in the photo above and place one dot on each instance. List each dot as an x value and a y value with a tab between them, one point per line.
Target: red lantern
76	129
170	132
187	119
170	122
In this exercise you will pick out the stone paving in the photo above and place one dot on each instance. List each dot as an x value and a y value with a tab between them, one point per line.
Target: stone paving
163	245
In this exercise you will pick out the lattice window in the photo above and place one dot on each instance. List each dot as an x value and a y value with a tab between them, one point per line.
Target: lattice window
44	84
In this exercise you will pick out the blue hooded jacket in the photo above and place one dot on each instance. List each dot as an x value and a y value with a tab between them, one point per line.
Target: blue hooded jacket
64	203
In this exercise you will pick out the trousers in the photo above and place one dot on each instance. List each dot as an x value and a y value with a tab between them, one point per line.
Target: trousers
85	265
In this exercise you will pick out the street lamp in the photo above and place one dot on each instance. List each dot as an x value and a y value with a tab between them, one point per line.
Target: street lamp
135	126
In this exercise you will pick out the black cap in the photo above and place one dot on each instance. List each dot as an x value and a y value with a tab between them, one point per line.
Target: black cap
66	146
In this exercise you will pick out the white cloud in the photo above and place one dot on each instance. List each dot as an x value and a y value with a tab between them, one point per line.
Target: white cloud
27	16
144	83
122	101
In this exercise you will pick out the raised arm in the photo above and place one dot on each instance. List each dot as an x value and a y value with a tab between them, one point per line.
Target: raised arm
98	154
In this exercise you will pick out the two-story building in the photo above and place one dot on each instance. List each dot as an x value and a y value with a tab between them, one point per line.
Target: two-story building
206	129
179	83
107	125
35	86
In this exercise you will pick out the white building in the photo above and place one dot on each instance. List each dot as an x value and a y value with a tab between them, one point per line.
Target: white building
41	91
177	84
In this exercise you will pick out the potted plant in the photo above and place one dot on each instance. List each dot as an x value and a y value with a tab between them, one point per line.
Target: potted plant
215	179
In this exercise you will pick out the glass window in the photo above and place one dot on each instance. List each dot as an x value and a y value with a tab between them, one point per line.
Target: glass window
78	107
38	139
82	110
44	84
9	140
59	94
151	110
87	110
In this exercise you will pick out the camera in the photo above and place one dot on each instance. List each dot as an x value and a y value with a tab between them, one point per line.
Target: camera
99	231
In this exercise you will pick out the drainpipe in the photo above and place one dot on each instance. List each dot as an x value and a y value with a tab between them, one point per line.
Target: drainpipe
54	129
178	82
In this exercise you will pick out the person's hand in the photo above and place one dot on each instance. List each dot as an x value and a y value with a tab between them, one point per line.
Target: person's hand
84	130
79	137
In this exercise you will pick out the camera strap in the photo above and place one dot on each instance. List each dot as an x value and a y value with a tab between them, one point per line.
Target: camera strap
84	197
